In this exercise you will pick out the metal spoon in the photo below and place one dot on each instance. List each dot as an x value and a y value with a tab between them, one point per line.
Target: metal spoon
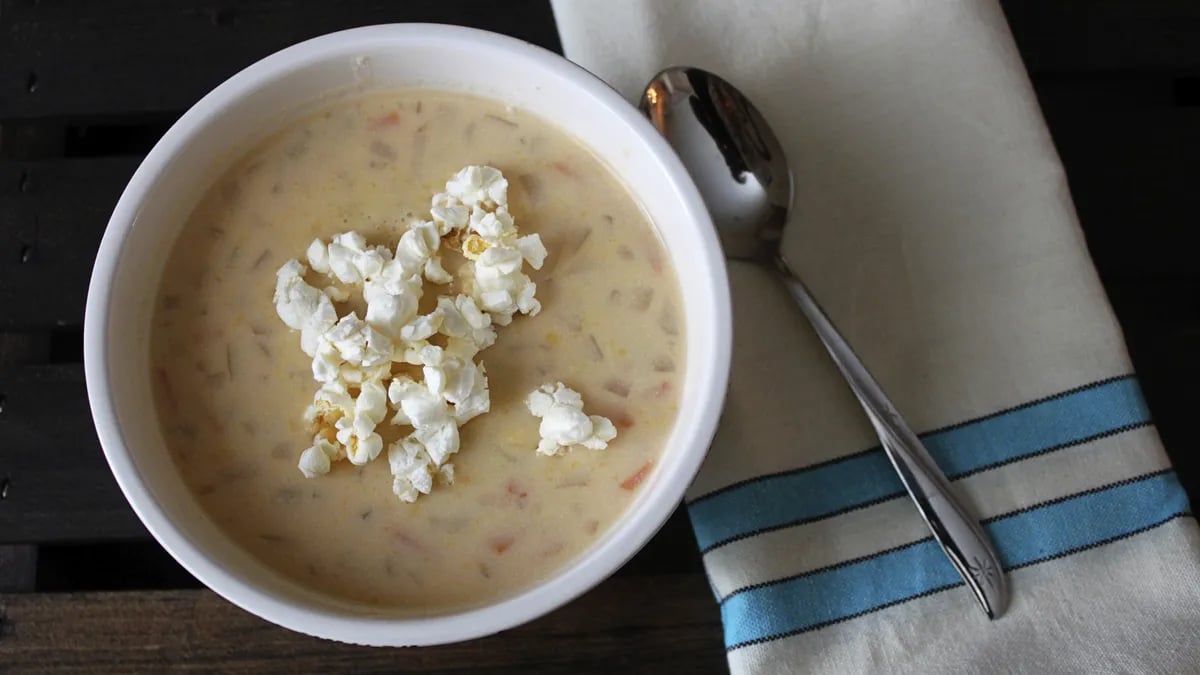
740	168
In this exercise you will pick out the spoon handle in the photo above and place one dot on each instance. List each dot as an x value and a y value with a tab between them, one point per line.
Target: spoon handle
959	535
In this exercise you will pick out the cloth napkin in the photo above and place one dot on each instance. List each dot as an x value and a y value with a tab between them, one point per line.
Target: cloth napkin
933	221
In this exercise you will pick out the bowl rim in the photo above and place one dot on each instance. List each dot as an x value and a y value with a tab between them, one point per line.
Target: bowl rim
560	588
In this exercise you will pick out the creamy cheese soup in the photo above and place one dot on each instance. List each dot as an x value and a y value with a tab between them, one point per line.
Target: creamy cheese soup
232	383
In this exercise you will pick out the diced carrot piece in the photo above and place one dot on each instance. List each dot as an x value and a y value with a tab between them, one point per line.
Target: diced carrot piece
389	120
637	477
562	168
619	417
656	263
516	490
501	543
407	540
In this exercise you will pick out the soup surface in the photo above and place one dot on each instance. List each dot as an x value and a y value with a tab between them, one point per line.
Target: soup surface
232	382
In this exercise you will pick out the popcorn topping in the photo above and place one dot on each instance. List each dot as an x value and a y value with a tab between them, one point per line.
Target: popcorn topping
500	286
477	402
564	424
356	431
348	258
412	470
411	475
416	247
532	250
449	213
301	306
415	404
492	225
353	357
358	343
315	460
481	186
463	319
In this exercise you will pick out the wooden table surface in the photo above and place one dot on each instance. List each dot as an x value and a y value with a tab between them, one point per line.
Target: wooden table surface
86	88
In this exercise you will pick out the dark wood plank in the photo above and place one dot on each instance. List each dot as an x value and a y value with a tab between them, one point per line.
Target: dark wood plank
54	214
59	486
666	624
18	562
18	568
85	58
1106	35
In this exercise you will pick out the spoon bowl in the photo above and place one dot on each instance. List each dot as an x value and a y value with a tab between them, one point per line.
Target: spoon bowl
732	154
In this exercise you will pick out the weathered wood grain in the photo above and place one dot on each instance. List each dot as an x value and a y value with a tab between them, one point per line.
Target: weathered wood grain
666	624
89	59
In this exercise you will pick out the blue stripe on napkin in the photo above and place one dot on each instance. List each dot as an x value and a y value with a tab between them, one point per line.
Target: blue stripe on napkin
866	478
1051	530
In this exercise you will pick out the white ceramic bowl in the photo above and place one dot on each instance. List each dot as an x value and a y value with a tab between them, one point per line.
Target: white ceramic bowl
261	99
